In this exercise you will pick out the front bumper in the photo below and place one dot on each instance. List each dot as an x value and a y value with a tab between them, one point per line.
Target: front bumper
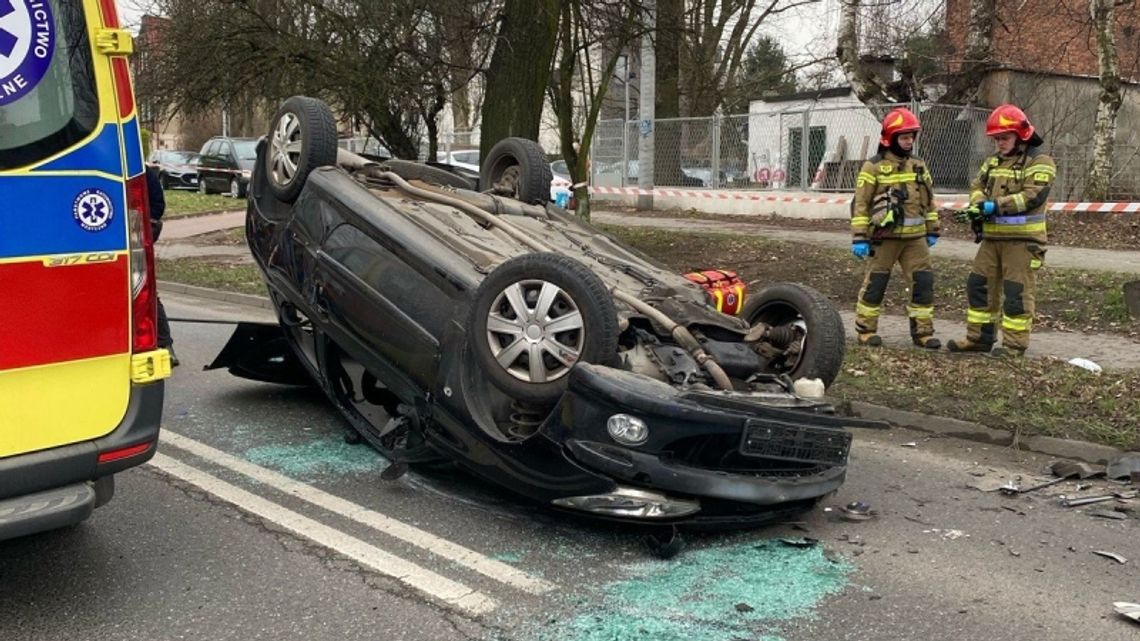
702	446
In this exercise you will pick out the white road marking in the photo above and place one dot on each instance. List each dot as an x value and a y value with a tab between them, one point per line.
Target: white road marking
414	576
454	552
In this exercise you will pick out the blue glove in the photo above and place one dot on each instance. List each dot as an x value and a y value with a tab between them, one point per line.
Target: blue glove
989	208
931	241
861	249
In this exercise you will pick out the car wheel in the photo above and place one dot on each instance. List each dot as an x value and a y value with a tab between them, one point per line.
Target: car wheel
202	187
409	170
533	318
236	190
810	322
302	138
517	167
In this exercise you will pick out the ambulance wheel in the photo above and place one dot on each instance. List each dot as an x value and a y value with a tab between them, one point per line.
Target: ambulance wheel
301	138
806	328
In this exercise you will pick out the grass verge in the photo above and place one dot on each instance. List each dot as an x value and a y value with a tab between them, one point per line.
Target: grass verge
1026	396
187	203
215	273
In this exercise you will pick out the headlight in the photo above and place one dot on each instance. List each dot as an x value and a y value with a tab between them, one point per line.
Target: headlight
627	430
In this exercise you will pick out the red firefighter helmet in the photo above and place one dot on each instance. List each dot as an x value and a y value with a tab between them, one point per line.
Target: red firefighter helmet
898	121
1008	118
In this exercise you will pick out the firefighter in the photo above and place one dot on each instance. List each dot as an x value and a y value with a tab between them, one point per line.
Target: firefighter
1007	208
893	220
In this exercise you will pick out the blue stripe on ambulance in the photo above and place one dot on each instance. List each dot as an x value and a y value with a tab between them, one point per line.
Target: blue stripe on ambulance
38	217
100	153
134	152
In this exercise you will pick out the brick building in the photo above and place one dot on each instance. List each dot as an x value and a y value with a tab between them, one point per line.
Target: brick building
1051	36
1046	58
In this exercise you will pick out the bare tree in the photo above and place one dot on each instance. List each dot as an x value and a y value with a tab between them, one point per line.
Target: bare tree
906	38
519	71
716	37
381	63
978	58
592	35
1104	131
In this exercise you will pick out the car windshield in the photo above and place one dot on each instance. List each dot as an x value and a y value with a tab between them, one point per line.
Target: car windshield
48	100
246	149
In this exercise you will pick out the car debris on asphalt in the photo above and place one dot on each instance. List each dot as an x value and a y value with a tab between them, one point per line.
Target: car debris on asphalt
1111	555
1124	466
1128	610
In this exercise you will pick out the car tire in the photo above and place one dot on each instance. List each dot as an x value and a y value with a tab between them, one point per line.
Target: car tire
496	331
824	341
519	164
202	188
301	138
409	170
236	190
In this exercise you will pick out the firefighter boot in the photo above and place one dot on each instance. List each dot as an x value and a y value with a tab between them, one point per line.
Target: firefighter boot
869	340
1007	352
967	345
928	342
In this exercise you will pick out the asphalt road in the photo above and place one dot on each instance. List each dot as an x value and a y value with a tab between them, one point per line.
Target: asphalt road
257	521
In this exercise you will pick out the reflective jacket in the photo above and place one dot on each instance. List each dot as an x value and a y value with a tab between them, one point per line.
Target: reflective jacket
887	179
1019	184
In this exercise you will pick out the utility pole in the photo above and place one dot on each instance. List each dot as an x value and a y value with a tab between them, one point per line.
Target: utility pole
625	123
645	147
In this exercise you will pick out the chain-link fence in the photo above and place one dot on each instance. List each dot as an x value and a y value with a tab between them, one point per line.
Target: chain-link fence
821	148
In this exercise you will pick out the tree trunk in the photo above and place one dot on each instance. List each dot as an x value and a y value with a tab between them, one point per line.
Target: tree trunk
667	101
869	88
519	71
978	58
1104	131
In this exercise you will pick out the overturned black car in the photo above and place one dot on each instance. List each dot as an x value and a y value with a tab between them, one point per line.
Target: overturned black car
527	346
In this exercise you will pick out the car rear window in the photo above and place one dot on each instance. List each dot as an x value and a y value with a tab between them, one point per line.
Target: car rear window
48	99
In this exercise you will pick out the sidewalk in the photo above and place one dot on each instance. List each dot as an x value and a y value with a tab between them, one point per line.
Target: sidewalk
1104	349
177	229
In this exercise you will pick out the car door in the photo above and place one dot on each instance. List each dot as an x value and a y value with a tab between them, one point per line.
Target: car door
393	312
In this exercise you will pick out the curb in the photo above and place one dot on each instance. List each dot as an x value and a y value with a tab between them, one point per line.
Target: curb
966	430
249	300
950	427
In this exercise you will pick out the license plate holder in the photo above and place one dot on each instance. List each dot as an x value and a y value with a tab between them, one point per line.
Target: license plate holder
783	441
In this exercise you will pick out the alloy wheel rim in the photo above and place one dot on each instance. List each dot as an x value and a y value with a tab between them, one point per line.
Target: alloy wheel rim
535	331
285	150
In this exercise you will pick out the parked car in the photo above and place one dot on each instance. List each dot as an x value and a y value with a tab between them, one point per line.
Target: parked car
466	159
528	347
176	169
225	165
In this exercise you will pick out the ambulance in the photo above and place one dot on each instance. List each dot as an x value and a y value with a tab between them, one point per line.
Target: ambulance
81	375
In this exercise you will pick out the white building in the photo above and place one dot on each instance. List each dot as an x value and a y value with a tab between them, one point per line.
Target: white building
840	128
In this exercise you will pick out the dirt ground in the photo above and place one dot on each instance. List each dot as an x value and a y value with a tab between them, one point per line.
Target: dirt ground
1067	300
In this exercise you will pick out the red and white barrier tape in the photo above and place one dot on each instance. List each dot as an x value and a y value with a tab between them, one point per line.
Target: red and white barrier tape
712	194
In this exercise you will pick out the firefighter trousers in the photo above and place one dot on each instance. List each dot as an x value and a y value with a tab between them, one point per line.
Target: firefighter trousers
913	258
1001	289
